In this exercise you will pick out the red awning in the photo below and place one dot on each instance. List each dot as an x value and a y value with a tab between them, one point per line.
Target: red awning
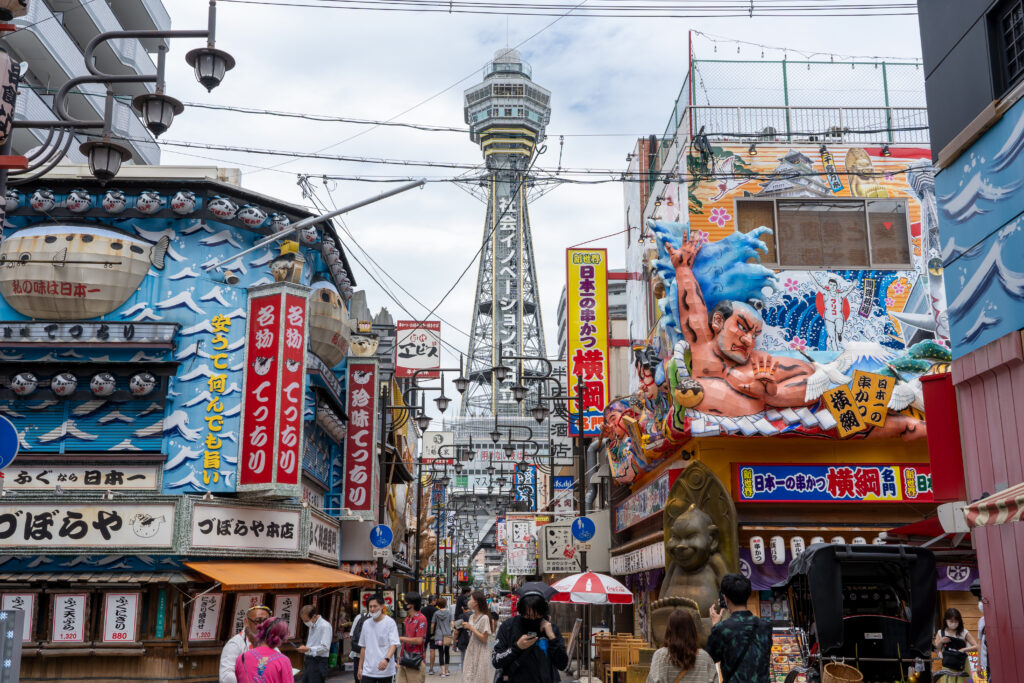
929	528
1005	506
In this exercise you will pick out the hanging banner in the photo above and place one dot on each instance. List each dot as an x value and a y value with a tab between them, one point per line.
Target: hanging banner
269	455
438	448
418	347
522	547
360	478
286	606
525	481
825	483
565	501
121	617
68	624
586	301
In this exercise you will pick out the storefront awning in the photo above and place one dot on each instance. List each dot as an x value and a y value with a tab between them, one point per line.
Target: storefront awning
233	576
1000	508
929	528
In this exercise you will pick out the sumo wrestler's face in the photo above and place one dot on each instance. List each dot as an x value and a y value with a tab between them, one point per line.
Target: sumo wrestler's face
694	540
737	334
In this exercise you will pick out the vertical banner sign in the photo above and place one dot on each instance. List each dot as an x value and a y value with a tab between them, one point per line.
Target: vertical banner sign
586	302
286	606
26	602
418	347
525	479
68	624
243	601
121	617
269	459
206	611
830	171
360	485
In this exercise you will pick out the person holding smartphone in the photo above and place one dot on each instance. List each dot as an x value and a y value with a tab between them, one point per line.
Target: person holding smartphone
529	648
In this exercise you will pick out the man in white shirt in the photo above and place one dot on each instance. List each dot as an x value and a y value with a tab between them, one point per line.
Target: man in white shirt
318	645
379	640
241	641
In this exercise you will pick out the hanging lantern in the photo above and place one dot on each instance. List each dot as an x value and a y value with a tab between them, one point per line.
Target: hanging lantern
817	539
796	546
838	540
9	71
183	202
102	384
114	201
149	202
64	384
24	383
879	540
860	540
778	549
251	216
346	567
142	384
329	330
42	200
222	208
757	549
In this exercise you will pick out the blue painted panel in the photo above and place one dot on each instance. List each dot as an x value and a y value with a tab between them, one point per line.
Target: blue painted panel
980	203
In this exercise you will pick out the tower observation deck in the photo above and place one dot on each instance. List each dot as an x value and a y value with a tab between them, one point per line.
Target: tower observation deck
507	114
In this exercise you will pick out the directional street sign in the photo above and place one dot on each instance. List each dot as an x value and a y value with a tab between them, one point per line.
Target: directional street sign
381	536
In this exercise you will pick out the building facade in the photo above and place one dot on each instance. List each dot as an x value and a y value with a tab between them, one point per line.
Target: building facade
974	84
182	416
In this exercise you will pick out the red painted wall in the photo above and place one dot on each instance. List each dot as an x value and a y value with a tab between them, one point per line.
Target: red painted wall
992	426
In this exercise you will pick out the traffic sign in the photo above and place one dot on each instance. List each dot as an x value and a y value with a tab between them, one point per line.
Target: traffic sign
381	536
8	442
583	529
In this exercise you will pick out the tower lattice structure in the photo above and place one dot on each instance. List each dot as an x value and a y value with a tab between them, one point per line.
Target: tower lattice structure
507	114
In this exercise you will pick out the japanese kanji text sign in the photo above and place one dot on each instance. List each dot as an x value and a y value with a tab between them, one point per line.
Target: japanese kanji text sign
25	602
206	611
324	539
827	483
286	606
83	477
871	394
68	622
216	528
586	301
270	452
121	617
56	528
417	347
243	601
360	484
839	402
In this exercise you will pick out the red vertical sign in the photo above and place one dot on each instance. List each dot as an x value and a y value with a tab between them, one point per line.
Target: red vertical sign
259	408
270	448
293	374
360	441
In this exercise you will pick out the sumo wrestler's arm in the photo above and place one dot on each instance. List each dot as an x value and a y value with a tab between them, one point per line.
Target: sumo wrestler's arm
693	312
779	381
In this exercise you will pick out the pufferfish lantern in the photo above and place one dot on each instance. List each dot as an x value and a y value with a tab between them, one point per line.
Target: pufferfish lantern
24	384
309	235
149	202
278	222
78	201
63	384
114	201
222	208
142	384
252	216
102	384
11	200
183	202
42	200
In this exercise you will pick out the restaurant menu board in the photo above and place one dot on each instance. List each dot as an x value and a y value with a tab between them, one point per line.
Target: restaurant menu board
68	624
25	602
785	655
206	611
121	617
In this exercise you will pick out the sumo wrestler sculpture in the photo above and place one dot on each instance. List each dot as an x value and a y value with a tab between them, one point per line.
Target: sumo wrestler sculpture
699	522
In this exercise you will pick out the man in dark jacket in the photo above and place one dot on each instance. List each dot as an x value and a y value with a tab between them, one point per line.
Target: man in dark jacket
742	643
528	647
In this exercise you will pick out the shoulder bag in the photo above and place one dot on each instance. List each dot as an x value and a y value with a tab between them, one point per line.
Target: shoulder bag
410	660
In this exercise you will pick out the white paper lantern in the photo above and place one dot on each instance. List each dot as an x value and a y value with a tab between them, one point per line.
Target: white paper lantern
24	383
142	384
838	540
757	549
859	540
878	540
778	549
102	384
64	384
796	546
817	539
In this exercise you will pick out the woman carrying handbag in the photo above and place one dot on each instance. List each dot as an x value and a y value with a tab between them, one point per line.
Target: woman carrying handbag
442	624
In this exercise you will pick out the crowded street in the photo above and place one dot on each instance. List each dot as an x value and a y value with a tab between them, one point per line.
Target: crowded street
509	341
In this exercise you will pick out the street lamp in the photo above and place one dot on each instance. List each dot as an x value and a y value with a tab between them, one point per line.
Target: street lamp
157	110
442	401
540	412
518	392
105	157
210	65
423	422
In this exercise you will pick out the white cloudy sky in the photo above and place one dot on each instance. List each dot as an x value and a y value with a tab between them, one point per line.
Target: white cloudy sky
606	75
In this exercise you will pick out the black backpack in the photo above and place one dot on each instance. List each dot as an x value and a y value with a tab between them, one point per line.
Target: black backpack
357	631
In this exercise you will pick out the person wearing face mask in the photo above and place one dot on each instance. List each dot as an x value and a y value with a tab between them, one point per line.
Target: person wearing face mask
318	645
379	641
529	648
242	641
954	642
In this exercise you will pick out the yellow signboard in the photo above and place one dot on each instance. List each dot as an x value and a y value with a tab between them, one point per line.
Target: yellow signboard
839	402
586	301
871	394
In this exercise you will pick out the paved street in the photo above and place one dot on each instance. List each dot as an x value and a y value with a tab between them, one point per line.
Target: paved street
455	668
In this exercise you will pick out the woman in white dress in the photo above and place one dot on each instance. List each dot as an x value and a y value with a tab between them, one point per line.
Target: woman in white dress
476	663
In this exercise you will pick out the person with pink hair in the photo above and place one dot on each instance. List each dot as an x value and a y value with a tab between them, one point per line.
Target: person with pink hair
263	663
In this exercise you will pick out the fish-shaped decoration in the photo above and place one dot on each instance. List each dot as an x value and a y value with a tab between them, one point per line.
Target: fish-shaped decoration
252	215
78	201
63	384
222	207
278	222
11	200
75	272
102	384
24	384
114	201
141	384
309	235
183	202
149	202
42	200
328	323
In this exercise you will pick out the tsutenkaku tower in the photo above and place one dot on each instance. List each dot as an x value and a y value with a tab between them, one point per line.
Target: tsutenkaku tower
507	114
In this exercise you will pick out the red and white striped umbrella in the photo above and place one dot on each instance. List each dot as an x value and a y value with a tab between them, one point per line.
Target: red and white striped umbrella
591	588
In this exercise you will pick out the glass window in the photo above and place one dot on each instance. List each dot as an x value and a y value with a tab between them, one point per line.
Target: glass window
799	237
887	228
752	213
843	234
